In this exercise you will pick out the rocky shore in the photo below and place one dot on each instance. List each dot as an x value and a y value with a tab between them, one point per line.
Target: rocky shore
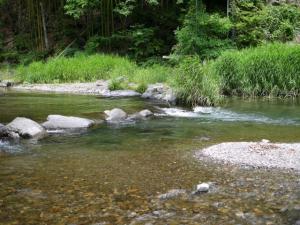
157	91
255	154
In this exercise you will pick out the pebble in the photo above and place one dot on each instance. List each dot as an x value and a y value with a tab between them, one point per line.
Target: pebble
203	187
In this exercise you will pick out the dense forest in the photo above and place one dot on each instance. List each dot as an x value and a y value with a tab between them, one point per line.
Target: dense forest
216	47
142	29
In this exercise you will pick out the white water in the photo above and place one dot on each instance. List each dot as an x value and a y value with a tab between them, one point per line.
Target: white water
211	113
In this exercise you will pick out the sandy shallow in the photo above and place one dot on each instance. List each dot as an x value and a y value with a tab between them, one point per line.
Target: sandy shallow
256	154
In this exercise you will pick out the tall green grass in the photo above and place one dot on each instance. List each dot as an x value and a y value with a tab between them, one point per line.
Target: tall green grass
196	84
85	68
268	70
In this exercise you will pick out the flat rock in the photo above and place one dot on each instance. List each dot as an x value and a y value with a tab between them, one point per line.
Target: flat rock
67	122
26	128
115	115
121	93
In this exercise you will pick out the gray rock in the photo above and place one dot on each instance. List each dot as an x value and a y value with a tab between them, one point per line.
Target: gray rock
67	122
172	194
160	92
7	135
115	115
27	128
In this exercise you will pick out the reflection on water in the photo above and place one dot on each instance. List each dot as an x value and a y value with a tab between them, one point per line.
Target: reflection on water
113	175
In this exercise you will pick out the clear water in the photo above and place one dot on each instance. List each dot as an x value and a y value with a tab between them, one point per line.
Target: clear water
113	174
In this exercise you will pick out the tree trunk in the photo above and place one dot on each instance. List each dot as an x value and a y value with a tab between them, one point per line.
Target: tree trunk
44	26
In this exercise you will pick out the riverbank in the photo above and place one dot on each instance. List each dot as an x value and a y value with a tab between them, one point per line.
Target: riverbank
255	154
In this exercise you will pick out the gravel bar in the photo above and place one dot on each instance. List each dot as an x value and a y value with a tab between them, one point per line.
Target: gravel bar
256	154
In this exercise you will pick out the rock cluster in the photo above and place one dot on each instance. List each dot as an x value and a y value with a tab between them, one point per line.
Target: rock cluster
26	128
160	91
117	115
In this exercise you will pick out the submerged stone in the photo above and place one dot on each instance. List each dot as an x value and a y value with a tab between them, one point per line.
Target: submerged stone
172	194
67	122
141	115
115	115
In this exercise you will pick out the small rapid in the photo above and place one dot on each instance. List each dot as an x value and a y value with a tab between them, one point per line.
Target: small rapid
221	114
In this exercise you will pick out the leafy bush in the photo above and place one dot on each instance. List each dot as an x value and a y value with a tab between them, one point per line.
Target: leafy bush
203	34
196	84
272	69
255	22
280	23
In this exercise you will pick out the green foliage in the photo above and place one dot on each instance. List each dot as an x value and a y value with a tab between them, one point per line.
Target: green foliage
125	8
116	84
141	88
256	23
272	69
246	17
77	8
196	84
280	23
143	42
206	35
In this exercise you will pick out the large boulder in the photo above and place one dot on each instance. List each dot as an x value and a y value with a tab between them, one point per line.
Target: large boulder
160	92
115	115
67	122
26	128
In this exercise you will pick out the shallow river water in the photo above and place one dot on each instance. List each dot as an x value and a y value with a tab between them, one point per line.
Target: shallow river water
113	174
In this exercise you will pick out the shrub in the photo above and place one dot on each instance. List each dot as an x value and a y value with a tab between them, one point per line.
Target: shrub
272	69
203	34
256	23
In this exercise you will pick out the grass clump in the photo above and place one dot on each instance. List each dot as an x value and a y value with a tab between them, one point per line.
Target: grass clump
195	83
81	68
268	70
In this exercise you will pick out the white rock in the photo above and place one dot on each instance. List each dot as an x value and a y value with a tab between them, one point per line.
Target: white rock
204	187
265	141
26	128
67	122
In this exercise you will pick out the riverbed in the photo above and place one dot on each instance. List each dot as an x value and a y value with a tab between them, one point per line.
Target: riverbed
113	174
